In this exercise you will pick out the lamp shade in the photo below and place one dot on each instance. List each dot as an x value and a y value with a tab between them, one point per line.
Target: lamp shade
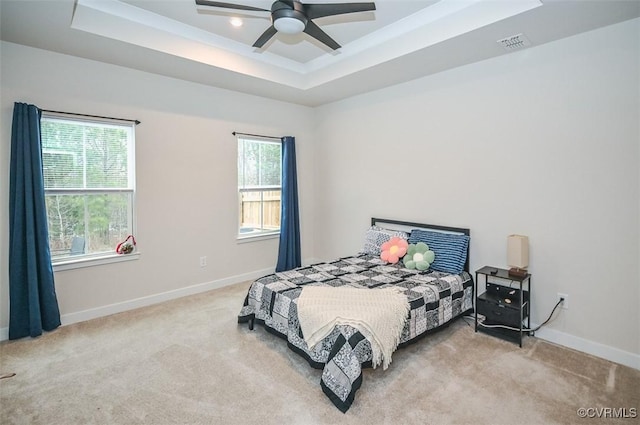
518	251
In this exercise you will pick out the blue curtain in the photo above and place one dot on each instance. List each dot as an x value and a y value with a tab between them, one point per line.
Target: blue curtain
33	306
289	251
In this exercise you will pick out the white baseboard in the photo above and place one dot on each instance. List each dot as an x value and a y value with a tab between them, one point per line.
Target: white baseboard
94	313
590	347
567	340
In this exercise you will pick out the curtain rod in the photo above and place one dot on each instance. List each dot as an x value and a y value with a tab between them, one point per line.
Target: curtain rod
90	116
235	133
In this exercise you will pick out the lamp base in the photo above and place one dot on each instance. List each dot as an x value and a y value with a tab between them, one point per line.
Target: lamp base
516	272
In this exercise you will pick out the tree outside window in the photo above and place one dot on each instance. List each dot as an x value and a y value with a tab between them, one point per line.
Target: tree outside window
89	185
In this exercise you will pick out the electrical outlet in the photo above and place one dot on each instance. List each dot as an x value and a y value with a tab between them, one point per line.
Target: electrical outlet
203	261
565	303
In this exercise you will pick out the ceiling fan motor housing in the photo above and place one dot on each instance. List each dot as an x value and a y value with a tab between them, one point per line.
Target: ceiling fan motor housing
287	19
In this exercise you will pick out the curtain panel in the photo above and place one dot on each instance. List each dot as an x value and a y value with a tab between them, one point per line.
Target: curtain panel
33	305
289	250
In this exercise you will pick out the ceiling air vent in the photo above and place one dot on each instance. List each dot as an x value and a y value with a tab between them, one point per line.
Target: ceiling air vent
515	42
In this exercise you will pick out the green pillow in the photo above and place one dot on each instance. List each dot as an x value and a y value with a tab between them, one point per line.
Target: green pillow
418	256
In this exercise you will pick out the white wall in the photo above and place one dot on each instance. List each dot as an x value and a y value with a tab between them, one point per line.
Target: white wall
542	142
186	175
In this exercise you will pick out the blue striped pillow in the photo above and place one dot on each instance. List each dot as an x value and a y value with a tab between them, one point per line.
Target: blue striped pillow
450	249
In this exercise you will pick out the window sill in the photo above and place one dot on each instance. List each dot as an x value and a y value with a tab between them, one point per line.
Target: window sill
70	264
256	238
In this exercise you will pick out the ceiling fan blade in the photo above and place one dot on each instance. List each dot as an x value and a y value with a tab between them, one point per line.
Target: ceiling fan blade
266	36
318	10
314	31
229	6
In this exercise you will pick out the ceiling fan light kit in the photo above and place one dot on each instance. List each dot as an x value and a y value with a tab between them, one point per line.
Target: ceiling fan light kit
295	17
289	25
288	18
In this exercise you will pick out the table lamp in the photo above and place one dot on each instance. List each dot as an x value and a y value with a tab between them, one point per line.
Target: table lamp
518	255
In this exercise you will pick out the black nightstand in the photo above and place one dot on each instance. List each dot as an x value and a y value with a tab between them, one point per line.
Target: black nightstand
506	301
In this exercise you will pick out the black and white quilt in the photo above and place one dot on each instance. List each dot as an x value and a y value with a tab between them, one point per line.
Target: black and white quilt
434	298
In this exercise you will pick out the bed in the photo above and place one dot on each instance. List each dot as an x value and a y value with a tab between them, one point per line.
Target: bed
435	297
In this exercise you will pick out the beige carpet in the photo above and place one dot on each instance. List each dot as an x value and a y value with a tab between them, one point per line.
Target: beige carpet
188	362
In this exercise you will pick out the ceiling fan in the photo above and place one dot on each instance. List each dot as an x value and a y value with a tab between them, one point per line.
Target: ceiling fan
294	17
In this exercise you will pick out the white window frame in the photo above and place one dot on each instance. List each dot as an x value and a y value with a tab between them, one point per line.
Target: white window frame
263	234
88	260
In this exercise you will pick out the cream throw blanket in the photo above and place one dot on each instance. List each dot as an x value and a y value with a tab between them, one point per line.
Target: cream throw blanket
379	314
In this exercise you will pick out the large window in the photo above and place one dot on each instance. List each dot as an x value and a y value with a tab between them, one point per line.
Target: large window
89	180
259	186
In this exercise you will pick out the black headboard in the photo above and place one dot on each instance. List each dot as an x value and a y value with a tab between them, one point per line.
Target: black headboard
465	231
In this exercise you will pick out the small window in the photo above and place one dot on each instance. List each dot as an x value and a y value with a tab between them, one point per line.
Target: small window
89	180
259	187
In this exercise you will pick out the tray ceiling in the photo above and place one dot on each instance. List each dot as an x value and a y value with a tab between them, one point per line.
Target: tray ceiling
399	41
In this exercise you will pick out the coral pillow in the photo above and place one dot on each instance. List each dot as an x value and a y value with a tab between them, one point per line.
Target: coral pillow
394	249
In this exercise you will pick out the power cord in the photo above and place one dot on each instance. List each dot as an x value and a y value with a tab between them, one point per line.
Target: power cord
524	329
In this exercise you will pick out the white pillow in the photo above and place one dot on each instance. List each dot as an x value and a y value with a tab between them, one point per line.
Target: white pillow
376	236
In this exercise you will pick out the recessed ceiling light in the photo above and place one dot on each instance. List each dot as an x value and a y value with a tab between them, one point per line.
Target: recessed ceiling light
236	22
